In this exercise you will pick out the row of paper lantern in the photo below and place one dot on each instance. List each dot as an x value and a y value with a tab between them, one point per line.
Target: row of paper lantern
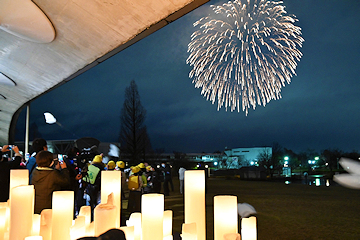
18	221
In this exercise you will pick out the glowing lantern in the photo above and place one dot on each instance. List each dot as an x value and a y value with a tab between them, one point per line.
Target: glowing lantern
135	221
34	238
78	229
152	211
129	232
111	183
21	211
225	216
86	212
90	229
195	201
18	177
188	231
232	236
45	224
6	218
248	228
62	214
167	223
3	211
35	231
105	216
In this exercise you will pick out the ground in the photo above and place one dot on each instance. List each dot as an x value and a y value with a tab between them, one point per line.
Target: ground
293	211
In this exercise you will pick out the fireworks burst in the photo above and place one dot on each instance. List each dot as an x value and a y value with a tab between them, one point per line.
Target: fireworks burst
248	51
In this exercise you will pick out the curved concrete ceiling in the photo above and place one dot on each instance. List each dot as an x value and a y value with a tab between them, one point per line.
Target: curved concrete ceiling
87	33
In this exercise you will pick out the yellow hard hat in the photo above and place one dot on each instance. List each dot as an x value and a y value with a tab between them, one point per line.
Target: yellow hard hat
97	159
111	165
141	165
148	168
120	164
135	169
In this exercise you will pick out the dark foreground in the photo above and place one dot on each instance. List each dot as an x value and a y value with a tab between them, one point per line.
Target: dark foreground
293	211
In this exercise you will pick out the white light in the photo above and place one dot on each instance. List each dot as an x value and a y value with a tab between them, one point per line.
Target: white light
309	161
206	166
215	163
252	162
49	118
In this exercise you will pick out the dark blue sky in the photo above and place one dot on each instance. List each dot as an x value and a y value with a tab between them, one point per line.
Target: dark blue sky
320	108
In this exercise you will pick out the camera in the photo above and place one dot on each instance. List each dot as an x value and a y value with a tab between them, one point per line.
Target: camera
10	147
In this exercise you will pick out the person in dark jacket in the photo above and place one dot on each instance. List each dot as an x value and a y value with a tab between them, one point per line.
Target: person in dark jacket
167	178
5	168
93	179
46	180
39	144
75	176
135	186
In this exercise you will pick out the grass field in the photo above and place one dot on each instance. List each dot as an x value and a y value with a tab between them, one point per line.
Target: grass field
293	211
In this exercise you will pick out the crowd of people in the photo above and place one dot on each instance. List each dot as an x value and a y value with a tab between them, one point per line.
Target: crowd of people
48	173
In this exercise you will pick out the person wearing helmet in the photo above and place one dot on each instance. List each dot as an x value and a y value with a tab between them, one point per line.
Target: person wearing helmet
148	174
135	185
93	178
110	165
144	177
121	167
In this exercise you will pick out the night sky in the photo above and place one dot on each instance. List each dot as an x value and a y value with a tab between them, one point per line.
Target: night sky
319	109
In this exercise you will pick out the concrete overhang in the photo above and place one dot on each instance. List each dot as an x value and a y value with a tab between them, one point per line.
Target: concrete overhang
87	33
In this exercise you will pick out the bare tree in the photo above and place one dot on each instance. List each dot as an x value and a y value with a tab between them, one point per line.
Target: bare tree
133	134
271	161
265	160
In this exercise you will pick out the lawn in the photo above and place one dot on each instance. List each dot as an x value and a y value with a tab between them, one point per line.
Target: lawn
293	211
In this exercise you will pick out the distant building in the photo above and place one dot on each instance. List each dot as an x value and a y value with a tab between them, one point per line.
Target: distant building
243	157
211	158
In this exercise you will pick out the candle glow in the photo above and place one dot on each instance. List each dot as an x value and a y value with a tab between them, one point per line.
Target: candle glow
225	216
194	206
152	209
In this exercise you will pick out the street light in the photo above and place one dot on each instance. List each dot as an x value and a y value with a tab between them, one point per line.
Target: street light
49	118
286	161
286	168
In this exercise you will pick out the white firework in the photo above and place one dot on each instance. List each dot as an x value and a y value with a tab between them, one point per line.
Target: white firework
247	51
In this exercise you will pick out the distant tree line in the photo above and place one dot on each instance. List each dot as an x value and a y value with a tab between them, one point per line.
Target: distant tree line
328	158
